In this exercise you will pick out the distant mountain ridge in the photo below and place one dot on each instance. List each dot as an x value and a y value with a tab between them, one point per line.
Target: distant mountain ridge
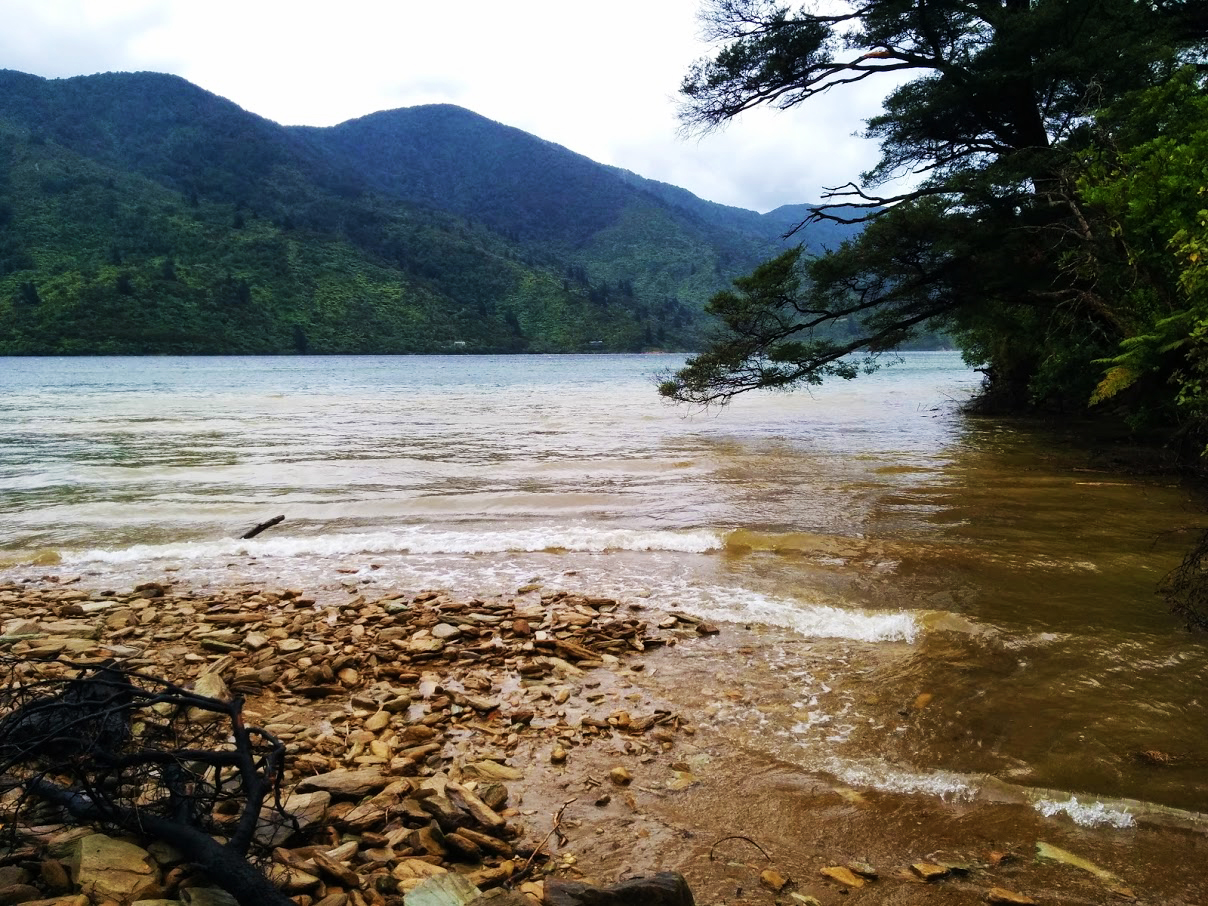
141	213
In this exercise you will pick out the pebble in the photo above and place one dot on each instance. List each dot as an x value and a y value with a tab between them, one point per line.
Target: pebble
620	776
1002	895
929	871
773	880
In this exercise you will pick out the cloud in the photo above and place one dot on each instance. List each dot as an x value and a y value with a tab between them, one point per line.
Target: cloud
600	79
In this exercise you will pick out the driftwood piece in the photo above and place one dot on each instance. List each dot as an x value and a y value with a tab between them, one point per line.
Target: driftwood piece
130	753
262	526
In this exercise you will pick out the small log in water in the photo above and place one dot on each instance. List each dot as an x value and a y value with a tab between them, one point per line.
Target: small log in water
262	526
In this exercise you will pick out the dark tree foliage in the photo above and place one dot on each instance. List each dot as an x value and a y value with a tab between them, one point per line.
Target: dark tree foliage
29	294
988	132
134	754
1186	587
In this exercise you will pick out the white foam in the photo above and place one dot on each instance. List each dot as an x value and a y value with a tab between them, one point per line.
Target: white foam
811	619
415	541
1096	814
889	779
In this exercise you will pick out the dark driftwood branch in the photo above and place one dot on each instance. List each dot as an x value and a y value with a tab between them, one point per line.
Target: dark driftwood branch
97	742
262	526
228	869
713	848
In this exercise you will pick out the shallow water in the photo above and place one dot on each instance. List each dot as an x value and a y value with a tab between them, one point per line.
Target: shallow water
936	599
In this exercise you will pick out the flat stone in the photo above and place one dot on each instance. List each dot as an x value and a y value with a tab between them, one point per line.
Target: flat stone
346	783
377	722
842	875
75	629
449	889
415	870
425	646
773	880
54	647
479	810
1002	895
929	871
290	879
445	631
864	870
492	770
109	869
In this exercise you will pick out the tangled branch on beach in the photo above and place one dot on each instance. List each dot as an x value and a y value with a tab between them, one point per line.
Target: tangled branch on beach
121	751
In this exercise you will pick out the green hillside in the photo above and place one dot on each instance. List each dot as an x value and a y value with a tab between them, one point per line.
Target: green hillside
562	208
140	213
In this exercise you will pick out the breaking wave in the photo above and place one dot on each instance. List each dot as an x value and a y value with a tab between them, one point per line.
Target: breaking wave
413	541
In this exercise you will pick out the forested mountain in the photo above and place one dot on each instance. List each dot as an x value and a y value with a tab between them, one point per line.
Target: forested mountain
140	213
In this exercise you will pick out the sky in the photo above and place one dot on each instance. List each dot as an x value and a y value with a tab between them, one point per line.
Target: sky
599	78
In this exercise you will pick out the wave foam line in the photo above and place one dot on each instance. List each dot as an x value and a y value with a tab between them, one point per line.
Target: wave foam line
810	619
578	539
1097	812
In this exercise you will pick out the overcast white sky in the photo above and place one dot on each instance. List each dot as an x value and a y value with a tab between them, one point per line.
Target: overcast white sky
600	78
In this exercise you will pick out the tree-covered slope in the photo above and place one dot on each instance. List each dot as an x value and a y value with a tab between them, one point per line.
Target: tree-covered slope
609	224
140	213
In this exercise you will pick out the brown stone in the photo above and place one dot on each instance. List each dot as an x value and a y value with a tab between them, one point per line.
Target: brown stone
334	870
773	880
482	813
346	783
842	875
1002	895
620	776
929	871
12	894
109	869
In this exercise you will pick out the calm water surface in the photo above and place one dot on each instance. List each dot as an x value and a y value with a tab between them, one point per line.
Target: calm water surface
947	605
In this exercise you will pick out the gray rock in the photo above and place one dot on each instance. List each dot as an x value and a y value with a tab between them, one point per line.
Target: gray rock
346	783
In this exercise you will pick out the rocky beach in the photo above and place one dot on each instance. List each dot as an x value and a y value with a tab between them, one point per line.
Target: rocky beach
516	739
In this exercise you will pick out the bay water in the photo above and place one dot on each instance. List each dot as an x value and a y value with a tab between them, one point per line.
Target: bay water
926	602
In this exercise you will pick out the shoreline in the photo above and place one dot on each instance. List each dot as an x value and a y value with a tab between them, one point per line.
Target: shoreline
572	699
